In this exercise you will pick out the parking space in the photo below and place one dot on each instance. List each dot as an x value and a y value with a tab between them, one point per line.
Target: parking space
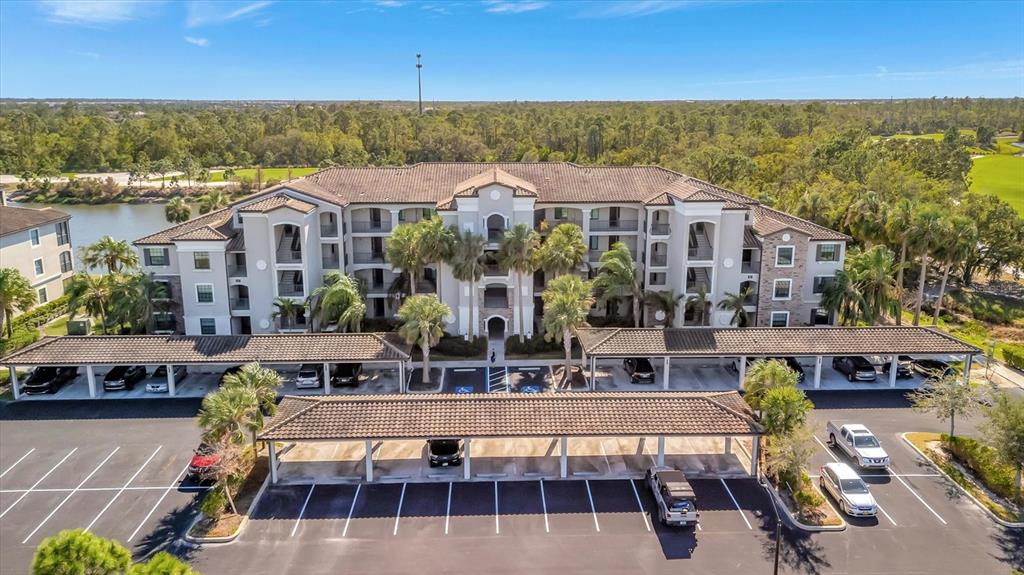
536	379
197	383
465	380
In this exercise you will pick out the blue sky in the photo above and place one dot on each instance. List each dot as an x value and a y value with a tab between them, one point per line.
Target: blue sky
510	50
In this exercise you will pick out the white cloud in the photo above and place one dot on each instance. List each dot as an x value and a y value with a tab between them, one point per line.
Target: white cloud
390	3
201	42
205	13
628	8
882	70
506	7
93	12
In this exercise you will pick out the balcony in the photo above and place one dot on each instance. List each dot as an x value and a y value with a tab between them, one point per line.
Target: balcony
239	303
290	289
289	256
554	222
369	258
496	302
699	247
237	271
661	229
330	262
288	324
370	227
329	230
697	279
659	260
378	290
613	225
751	267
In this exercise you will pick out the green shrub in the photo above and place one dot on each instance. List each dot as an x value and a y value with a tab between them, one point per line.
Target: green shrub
808	498
42	314
20	339
1014	355
214	503
532	345
982	462
457	346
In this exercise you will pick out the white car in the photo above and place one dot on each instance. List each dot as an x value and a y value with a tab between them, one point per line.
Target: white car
310	376
841	482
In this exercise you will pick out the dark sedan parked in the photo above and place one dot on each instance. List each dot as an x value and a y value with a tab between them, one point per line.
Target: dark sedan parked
855	368
48	379
346	374
639	369
123	377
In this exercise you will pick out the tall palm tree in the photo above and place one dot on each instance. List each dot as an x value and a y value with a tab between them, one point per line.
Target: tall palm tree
436	242
564	251
467	263
89	292
843	296
927	232
403	251
177	211
699	303
735	302
876	284
423	320
213	200
618	277
898	221
16	294
287	310
134	299
567	301
517	251
764	375
665	301
263	385
962	240
115	255
866	218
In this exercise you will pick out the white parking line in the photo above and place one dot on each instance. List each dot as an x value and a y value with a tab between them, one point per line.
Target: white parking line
36	484
351	509
643	512
736	503
398	514
914	493
448	509
544	504
125	486
13	465
157	504
303	510
69	495
497	528
590	496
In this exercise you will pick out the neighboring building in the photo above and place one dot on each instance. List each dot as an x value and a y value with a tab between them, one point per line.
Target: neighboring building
226	268
37	242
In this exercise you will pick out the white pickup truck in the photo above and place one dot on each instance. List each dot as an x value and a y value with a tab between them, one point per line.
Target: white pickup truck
677	503
859	443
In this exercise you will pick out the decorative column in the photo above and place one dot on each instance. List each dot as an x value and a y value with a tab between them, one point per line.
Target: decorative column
661	450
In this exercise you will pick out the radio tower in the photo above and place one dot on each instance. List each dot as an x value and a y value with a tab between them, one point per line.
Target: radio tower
419	81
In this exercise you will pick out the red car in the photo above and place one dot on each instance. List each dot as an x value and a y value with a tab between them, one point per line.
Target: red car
204	461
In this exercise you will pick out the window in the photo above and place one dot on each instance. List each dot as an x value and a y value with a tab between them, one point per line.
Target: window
560	213
657	278
784	256
782	289
820	317
38	264
780	319
163	290
66	263
595	214
207	326
594	244
204	293
821	283
201	260
428	213
156	256
34	237
42	295
827	253
63	234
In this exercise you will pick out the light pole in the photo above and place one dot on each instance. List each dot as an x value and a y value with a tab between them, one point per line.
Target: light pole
419	81
778	524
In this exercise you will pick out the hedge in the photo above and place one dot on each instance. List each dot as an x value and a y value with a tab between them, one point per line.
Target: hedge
458	346
42	315
532	345
20	339
1014	355
981	460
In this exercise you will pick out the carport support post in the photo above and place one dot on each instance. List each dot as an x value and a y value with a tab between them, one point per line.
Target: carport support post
466	454
369	460
14	381
327	378
593	369
563	457
664	376
743	369
89	375
817	372
170	380
272	449
893	364
728	444
661	450
755	454
401	377
968	358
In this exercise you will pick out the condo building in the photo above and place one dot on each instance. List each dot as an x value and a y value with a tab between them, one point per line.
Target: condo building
37	243
224	270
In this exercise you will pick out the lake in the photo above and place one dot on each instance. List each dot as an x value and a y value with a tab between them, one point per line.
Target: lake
121	221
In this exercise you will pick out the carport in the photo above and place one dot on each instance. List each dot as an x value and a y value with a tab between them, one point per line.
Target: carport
95	351
760	342
510	416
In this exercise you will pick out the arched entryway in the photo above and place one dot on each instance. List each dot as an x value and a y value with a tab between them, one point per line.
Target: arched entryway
496	328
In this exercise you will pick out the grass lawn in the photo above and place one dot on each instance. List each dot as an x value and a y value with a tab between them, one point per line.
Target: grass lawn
1002	176
268	174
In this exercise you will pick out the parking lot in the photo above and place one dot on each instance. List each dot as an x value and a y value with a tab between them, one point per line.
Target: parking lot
498	379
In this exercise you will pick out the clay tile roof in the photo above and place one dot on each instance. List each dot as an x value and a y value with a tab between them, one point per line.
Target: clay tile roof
768	221
15	219
684	190
211	220
767	341
276	202
720	191
749	238
209	349
202	233
494	175
575	414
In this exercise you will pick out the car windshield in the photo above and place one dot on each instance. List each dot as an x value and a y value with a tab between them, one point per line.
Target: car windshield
853	486
204	449
865	441
449	447
644	365
307	373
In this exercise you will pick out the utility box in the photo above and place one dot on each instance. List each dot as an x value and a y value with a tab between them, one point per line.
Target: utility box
80	327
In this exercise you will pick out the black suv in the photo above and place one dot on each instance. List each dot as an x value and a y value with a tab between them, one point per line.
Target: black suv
639	369
444	452
346	374
855	368
48	379
123	377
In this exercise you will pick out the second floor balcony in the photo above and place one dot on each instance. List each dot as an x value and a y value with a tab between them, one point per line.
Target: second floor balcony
611	225
329	230
661	229
659	260
236	271
370	227
330	262
369	258
239	304
288	288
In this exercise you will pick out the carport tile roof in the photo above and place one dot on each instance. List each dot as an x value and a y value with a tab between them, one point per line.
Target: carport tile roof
757	341
575	414
211	349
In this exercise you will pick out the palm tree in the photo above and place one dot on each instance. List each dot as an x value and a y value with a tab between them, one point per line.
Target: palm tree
115	255
435	242
618	277
665	301
736	302
423	320
403	251
90	292
287	311
866	218
843	296
177	211
16	294
567	301
960	243
898	221
564	250
134	299
875	282
263	385
517	252
338	300
764	375
699	304
926	233
213	200
467	263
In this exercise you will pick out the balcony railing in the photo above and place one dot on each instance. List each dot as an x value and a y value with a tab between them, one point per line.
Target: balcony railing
594	256
660	260
329	230
499	302
368	258
237	271
289	289
661	229
289	256
239	303
330	262
370	227
552	222
291	324
751	267
377	290
613	225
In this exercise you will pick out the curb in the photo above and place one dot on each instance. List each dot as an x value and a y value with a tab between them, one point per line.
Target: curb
215	540
993	516
794	522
